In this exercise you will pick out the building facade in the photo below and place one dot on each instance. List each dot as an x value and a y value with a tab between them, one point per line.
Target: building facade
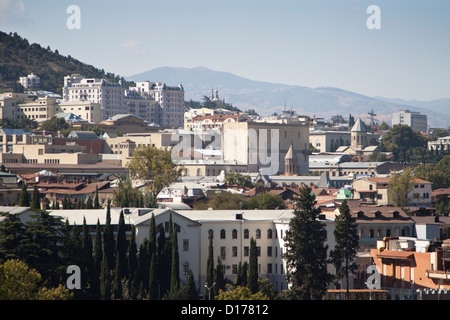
417	121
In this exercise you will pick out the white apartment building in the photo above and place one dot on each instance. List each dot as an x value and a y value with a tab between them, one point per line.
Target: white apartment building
31	81
442	143
109	95
231	231
169	98
417	121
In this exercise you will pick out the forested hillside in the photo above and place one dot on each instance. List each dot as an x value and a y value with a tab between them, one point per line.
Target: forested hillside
19	58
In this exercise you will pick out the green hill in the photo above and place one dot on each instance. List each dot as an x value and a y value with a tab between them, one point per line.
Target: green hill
19	58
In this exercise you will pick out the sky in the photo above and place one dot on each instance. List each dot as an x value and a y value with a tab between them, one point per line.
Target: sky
308	43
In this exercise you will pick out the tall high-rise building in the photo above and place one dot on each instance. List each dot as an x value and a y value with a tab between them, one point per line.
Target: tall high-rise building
417	121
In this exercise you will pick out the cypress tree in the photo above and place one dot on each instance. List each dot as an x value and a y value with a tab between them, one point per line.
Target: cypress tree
88	259
143	271
189	290
306	252
24	200
89	203
108	240
347	241
98	257
210	268
122	248
153	283
36	202
175	261
105	281
133	265
252	283
96	200
219	277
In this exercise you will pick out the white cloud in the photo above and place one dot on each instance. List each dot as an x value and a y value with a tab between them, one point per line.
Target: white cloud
132	44
13	12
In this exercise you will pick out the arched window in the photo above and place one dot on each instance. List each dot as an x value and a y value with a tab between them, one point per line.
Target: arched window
222	234
258	233
246	234
269	233
199	172
234	234
210	234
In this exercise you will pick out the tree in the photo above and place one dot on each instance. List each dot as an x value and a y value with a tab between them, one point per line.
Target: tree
306	252
97	261
252	283
36	201
154	167
175	263
224	201
266	200
96	200
347	241
239	179
133	265
24	200
210	267
19	282
12	236
400	187
240	293
402	140
54	124
189	290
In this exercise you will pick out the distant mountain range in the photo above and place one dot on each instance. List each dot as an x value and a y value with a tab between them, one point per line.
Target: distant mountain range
267	98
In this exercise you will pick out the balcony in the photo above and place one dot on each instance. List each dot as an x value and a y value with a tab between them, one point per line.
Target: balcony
438	274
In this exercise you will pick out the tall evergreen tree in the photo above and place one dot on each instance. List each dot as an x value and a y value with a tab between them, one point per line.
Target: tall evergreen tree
36	201
306	252
189	290
108	240
96	203
175	262
347	241
210	268
153	282
133	265
252	283
98	257
105	280
143	270
219	277
12	237
87	261
24	200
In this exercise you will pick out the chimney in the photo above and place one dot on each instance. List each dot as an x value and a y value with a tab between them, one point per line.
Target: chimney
239	216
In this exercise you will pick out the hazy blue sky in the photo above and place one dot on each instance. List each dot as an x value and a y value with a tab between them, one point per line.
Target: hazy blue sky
310	43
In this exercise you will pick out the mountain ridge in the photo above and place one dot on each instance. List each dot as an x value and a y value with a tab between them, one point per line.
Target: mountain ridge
267	97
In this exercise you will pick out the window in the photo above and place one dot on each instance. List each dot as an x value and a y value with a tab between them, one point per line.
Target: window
234	269
223	253
210	234
269	268
269	251
269	233
246	251
222	234
258	233
258	251
185	245
234	251
234	234
246	234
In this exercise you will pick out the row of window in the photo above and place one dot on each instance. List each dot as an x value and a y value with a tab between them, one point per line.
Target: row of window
234	234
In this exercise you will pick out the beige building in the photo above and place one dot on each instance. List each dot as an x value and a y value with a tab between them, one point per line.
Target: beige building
329	140
212	122
374	190
264	145
18	106
89	111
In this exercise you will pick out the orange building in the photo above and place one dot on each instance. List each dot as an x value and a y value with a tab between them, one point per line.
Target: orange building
413	269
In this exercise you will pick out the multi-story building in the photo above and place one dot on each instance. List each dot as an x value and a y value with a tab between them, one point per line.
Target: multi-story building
417	121
442	143
231	232
109	95
264	145
31	81
374	190
19	106
170	99
329	140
